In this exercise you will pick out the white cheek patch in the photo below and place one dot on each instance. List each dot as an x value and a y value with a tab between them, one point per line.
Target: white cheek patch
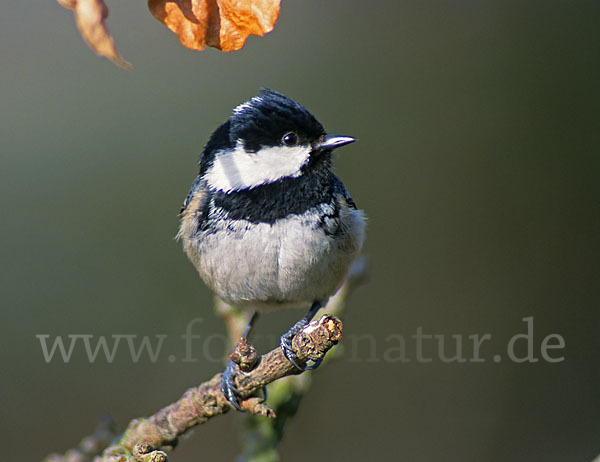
237	169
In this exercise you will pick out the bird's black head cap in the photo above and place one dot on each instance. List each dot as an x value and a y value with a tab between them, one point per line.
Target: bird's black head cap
264	121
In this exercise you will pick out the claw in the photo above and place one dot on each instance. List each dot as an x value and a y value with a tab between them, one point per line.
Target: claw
286	346
264	390
228	385
228	380
312	367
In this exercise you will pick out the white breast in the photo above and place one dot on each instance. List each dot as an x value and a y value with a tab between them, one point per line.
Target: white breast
289	263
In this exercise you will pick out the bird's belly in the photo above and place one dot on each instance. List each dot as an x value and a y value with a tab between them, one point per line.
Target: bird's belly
292	262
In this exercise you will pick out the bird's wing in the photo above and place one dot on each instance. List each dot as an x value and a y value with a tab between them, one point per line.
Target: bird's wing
340	190
196	187
194	211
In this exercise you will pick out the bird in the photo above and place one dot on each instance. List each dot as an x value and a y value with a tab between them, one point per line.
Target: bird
266	223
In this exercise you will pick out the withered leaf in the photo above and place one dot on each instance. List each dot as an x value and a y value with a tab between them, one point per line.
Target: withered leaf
90	16
222	24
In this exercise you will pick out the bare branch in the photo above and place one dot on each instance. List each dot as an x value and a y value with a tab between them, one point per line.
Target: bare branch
199	404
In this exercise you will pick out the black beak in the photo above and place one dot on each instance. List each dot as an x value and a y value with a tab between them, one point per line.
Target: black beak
334	141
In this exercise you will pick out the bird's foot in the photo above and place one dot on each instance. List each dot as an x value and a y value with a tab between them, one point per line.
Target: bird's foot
228	385
229	389
244	358
286	340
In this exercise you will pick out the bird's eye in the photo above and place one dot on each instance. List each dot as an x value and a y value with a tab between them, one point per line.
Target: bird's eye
290	139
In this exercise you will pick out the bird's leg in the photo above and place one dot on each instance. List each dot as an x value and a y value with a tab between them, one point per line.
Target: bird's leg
251	322
286	339
227	381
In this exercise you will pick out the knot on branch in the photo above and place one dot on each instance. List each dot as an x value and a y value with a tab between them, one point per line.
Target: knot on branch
244	355
145	452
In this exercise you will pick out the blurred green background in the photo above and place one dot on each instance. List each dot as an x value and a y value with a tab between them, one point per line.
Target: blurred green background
478	166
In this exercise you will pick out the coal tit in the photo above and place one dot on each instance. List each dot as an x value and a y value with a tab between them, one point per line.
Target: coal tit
266	222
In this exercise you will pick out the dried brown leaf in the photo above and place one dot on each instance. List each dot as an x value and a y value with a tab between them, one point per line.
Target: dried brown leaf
70	4
90	16
222	24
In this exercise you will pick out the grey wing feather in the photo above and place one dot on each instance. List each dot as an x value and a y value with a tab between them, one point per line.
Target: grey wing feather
193	190
339	188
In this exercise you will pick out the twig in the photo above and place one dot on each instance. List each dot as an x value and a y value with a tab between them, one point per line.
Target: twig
144	439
